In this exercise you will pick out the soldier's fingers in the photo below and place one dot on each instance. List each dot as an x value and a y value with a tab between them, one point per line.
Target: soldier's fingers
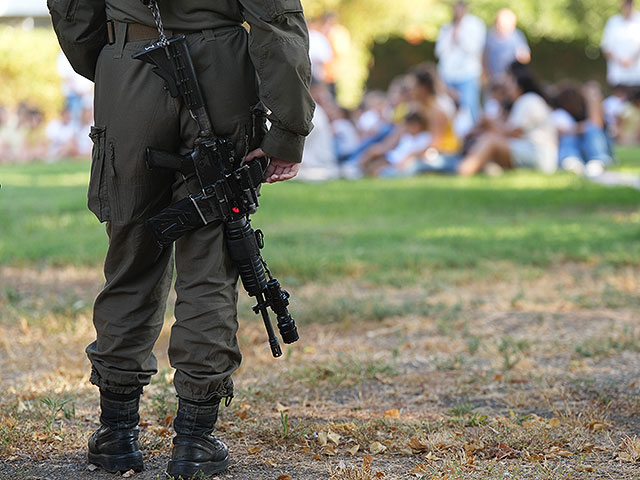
257	153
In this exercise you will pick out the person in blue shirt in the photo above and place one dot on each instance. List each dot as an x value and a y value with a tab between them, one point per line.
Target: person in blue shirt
505	44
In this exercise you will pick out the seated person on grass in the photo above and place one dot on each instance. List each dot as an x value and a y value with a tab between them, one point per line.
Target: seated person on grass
527	139
413	142
582	142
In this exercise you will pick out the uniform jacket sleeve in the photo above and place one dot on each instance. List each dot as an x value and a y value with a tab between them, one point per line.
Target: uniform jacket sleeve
279	50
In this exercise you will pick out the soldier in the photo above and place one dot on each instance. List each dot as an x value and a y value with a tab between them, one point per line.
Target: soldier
132	111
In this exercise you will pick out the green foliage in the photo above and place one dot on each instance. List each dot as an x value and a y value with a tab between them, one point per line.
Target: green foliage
284	424
28	68
511	351
372	21
54	406
552	60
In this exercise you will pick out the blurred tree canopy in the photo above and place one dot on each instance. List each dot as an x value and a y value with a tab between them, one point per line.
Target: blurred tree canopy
28	71
418	20
28	68
553	19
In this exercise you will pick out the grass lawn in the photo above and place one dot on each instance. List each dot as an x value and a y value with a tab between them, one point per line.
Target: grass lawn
460	329
387	231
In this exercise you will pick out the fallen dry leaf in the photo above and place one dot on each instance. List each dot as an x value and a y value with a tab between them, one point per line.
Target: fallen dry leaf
377	447
284	476
270	463
417	445
519	380
345	428
334	437
559	452
504	451
420	469
281	408
168	419
242	414
322	438
329	450
472	447
92	467
597	426
393	413
255	449
554	422
366	463
41	437
353	450
128	474
585	468
587	448
431	457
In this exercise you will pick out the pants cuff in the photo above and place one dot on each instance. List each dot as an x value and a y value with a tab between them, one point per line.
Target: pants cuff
101	383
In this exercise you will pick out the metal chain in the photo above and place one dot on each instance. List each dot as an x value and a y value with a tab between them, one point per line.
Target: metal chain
155	11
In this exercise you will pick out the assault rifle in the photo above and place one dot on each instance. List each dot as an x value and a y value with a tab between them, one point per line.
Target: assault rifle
229	190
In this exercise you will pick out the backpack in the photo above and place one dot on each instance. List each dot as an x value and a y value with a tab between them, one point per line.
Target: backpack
81	28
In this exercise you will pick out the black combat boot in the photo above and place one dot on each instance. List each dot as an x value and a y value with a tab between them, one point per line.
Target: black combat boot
114	446
195	450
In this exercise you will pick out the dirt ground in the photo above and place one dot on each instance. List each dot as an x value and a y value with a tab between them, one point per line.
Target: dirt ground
525	374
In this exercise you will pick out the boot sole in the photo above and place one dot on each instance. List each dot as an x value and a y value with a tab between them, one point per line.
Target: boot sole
118	463
188	470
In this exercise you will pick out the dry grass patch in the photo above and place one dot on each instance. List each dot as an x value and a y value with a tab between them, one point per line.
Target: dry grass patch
474	380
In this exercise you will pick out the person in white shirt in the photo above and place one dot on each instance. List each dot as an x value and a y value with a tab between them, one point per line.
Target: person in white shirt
528	139
319	157
459	48
320	49
621	46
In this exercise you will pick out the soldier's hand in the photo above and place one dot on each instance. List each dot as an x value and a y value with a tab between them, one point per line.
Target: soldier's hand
278	170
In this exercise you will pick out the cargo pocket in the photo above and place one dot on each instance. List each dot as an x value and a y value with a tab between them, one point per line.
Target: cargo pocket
98	197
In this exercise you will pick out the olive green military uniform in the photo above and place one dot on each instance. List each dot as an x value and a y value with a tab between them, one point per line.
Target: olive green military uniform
133	110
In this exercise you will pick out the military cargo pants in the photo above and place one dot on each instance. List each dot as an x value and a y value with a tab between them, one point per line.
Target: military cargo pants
132	111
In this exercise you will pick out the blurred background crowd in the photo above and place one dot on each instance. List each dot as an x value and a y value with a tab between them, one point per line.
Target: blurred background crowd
25	135
479	107
475	105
